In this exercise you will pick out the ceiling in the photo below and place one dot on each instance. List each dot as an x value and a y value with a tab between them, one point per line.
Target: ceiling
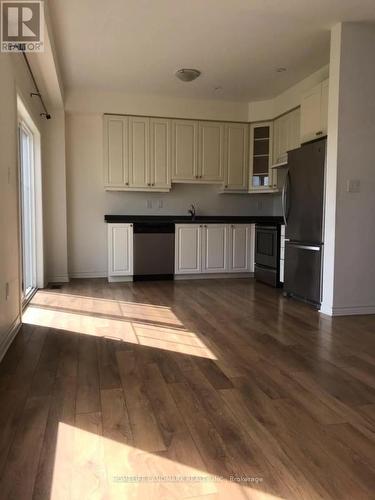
135	46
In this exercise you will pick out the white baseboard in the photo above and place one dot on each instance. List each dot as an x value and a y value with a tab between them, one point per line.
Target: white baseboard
119	279
205	276
346	310
63	278
9	336
99	274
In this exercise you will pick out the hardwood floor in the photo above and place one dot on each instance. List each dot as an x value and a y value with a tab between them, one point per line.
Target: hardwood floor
222	388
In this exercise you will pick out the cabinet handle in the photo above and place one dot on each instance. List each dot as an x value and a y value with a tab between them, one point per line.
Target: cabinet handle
200	177
131	225
127	183
148	184
226	185
153	183
197	176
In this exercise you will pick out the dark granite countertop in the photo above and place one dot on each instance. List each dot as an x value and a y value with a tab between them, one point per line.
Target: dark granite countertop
204	219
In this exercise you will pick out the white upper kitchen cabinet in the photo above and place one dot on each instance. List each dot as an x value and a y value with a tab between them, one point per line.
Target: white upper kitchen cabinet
120	250
188	249
139	145
160	153
215	248
261	137
286	135
211	152
137	153
240	248
185	151
314	111
116	158
236	157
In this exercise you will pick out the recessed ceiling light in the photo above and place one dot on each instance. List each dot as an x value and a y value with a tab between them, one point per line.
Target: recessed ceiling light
280	70
187	75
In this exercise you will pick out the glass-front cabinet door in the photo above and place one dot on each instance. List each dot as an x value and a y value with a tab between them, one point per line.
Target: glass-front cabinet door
261	156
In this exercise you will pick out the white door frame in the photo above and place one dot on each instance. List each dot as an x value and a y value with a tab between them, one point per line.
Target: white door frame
26	122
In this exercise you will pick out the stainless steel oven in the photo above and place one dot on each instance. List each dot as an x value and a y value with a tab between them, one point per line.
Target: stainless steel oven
267	254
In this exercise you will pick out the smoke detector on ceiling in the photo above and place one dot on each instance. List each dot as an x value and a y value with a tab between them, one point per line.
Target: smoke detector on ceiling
187	75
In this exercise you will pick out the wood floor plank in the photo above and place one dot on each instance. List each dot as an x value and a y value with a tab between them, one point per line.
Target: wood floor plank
108	370
88	396
209	442
146	433
53	479
22	462
89	478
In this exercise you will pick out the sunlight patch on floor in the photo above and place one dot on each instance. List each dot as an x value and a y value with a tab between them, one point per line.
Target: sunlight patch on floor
123	309
88	465
135	332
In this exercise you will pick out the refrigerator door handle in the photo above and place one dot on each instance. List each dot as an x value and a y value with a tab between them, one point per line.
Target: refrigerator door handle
284	198
307	247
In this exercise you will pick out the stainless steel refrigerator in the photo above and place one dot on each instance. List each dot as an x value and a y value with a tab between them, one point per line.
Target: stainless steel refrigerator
303	211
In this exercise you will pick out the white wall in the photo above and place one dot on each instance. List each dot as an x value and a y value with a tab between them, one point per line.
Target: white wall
13	78
88	202
349	269
54	197
90	101
284	102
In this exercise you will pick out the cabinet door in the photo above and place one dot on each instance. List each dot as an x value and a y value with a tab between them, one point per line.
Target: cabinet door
310	114
188	249
294	129
116	164
184	150
261	143
160	153
324	108
139	160
120	249
215	248
240	248
236	157
211	151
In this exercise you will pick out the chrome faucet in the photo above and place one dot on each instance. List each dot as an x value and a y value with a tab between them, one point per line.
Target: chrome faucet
192	211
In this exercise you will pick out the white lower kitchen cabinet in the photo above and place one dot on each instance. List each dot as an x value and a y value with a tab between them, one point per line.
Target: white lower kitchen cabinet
240	248
120	251
188	249
215	248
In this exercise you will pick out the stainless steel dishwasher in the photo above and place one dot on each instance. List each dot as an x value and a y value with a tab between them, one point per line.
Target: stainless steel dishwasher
153	251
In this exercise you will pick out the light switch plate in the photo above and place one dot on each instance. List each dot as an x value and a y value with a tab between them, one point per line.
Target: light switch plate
353	185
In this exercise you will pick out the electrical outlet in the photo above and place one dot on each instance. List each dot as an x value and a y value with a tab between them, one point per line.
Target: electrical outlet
353	186
149	204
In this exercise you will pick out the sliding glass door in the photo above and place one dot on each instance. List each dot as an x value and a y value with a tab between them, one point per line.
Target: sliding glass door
27	199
